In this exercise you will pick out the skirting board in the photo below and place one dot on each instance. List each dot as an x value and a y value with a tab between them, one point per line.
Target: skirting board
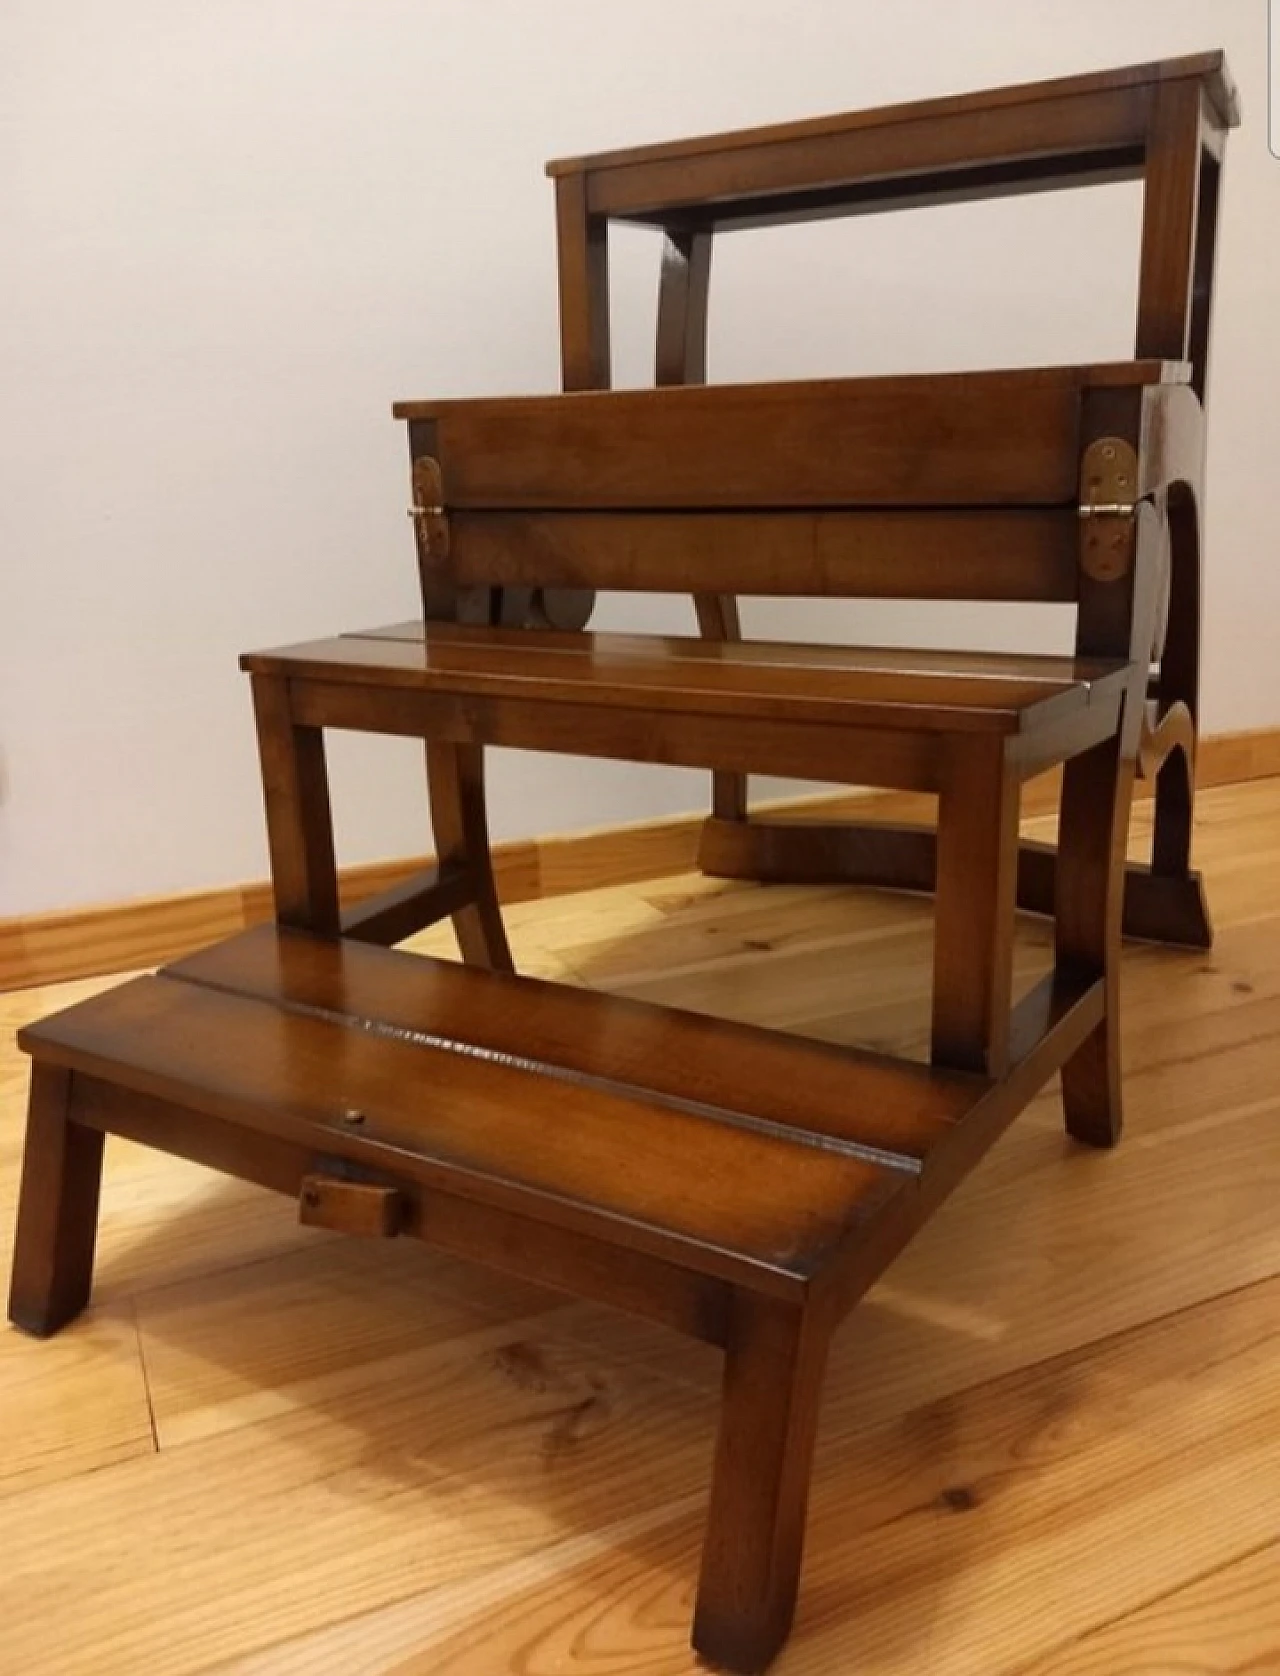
127	936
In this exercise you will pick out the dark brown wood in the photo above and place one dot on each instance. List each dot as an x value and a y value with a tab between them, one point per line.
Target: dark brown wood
57	1209
1028	555
1171	204
683	291
1096	793
582	239
1210	68
886	756
864	687
777	179
1163	123
1204	263
687	1058
774	1363
761	1206
1046	135
396	913
681	358
295	788
642	1286
908	441
973	934
1179	683
1157	908
455	778
887	854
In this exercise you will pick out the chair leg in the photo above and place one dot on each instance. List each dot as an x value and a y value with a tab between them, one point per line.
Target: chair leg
455	781
1096	797
974	913
57	1209
774	1364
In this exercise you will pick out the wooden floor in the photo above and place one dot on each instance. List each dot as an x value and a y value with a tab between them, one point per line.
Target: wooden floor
1051	1437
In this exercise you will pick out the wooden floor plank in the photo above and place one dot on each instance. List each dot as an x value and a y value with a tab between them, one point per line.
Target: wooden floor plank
1226	1622
245	1344
963	1536
461	1456
77	1405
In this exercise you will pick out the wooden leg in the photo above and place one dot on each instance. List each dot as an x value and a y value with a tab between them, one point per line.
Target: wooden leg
680	357
455	778
973	927
774	1364
718	620
295	786
1096	796
57	1210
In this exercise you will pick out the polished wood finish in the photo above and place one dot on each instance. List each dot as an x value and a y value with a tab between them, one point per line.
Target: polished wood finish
1100	446
455	779
918	440
1208	69
1095	811
425	896
788	1217
1021	554
57	1210
681	358
684	1058
774	1361
746	1192
582	239
973	936
295	787
1162	123
810	750
106	937
862	687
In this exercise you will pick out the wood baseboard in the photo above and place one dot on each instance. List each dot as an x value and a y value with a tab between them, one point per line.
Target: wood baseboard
127	936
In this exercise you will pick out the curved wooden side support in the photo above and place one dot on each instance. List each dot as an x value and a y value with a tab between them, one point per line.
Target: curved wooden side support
1096	793
1175	731
455	781
681	358
1179	684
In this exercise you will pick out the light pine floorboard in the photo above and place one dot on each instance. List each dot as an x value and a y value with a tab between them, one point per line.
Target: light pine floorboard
1050	1441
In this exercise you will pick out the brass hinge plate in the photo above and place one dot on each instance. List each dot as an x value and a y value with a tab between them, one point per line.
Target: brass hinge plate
1108	503
428	512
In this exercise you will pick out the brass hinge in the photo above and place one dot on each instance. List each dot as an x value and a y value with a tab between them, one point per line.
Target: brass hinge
1108	503
428	511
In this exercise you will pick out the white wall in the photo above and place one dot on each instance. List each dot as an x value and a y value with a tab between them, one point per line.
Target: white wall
235	232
